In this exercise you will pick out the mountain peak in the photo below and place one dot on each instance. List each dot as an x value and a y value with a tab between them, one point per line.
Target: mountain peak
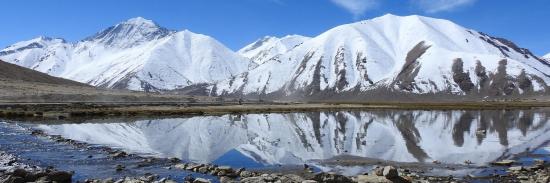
546	57
130	33
140	21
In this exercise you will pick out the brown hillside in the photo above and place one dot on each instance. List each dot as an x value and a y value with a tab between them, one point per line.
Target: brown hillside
14	72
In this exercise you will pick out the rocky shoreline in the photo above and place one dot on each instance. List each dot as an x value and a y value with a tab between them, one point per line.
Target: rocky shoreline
12	170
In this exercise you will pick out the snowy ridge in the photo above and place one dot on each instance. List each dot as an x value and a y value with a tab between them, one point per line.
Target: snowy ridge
268	47
412	54
546	57
136	54
270	139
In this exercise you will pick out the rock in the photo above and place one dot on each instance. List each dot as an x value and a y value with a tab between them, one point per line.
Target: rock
203	170
390	172
468	162
188	178
504	163
192	167
245	174
180	166
119	154
60	176
13	179
378	171
175	160
331	178
238	172
290	178
372	179
516	168
201	180
225	179
225	169
481	132
523	177
309	181
119	167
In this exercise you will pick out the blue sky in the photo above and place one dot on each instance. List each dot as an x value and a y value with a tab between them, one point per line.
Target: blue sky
239	22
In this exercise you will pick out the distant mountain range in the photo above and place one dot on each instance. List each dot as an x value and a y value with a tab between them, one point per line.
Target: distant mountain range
382	57
136	54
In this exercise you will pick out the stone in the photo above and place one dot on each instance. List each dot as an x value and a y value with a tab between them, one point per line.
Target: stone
504	163
225	169
309	181
379	171
372	179
201	180
390	172
180	166
516	168
192	167
225	179
331	178
60	176
175	160
119	167
119	154
291	178
245	174
203	170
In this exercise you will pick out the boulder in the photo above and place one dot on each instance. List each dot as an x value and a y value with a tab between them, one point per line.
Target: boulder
390	172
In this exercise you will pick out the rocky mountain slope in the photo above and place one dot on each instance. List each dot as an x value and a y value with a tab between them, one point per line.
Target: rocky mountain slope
136	54
393	54
268	47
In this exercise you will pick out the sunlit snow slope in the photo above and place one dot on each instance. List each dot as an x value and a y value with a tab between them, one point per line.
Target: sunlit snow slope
136	54
268	47
410	54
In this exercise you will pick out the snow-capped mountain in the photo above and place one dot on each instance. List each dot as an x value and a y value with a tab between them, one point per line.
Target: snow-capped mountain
136	54
268	47
409	54
271	139
546	57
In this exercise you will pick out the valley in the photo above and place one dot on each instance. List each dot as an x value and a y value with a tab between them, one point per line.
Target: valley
388	99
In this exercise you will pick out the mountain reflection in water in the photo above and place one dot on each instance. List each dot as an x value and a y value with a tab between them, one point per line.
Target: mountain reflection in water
295	138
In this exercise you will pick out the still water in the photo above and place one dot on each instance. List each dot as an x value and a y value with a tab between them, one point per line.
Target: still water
266	140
